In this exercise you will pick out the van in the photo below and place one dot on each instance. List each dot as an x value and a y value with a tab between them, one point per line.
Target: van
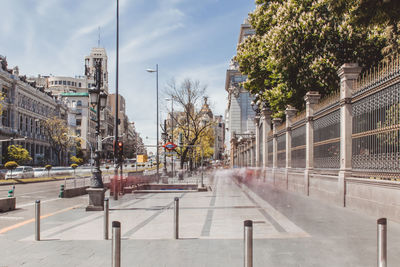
20	172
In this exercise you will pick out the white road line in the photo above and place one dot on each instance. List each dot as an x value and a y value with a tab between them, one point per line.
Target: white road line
42	201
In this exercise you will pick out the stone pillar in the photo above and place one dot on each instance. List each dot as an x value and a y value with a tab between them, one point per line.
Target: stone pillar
348	74
290	113
252	152
276	122
266	124
257	141
311	99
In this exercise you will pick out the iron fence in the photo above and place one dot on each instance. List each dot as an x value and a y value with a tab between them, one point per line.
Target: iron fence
281	140
376	131
299	147
270	152
327	140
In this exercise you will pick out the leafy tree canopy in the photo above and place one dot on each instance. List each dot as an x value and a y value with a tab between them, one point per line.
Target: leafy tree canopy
18	154
299	46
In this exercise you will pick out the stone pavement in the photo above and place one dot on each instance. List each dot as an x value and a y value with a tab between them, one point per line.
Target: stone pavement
289	230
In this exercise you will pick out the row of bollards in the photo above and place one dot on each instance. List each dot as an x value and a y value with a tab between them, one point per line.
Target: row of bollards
248	235
381	243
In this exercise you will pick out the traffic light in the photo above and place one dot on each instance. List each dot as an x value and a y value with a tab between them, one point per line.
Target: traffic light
120	148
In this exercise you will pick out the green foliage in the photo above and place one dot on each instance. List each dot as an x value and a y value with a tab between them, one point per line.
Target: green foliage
19	154
74	166
392	118
78	161
299	46
57	131
10	165
48	168
1	106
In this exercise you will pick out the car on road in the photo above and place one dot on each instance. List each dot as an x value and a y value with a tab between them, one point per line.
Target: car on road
20	172
2	173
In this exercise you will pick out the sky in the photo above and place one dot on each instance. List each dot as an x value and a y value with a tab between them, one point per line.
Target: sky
186	38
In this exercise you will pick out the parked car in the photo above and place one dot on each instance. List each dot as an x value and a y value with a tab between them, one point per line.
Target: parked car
20	172
3	173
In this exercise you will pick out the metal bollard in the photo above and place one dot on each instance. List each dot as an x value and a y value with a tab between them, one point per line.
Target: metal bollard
61	195
11	191
382	240
248	243
176	218
37	220
106	213
116	244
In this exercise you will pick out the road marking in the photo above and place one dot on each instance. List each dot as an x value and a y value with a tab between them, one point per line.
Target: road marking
11	218
42	201
12	227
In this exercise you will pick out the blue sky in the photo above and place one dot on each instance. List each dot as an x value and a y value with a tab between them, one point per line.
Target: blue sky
187	38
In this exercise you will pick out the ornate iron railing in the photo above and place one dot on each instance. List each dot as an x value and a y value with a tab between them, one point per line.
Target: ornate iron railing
281	140
386	69
327	141
299	147
270	152
376	131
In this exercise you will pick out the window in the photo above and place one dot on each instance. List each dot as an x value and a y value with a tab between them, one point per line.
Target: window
78	122
78	132
68	82
79	104
80	85
5	118
64	82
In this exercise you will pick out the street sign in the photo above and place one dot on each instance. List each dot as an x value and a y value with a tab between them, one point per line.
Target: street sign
169	146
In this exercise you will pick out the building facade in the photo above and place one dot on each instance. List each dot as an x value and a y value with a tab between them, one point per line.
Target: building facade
239	115
24	109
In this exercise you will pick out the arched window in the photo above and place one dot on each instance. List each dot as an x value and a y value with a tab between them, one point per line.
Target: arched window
79	104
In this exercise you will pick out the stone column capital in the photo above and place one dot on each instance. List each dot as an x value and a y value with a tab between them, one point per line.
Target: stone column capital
276	121
290	111
312	97
349	71
348	74
266	113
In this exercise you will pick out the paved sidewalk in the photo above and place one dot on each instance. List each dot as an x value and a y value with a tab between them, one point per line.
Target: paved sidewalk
289	230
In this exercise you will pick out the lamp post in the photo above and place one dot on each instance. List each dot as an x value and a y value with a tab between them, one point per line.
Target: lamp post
34	145
172	131
157	155
164	136
98	100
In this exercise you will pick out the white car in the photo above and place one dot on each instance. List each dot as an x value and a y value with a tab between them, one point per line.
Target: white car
20	172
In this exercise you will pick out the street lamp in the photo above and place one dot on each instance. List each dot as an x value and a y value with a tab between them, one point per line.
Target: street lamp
172	131
98	100
157	155
164	137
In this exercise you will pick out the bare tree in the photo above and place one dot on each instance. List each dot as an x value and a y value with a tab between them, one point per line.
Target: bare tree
190	121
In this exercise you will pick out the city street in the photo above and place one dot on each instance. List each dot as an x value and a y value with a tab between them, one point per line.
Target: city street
289	230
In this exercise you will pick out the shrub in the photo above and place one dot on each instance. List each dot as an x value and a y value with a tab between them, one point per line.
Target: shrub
48	168
11	165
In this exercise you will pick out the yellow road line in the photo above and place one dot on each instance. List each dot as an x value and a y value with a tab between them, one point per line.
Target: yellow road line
12	227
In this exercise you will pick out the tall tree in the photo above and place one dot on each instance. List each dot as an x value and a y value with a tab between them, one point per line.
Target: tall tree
57	131
18	154
299	46
190	121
